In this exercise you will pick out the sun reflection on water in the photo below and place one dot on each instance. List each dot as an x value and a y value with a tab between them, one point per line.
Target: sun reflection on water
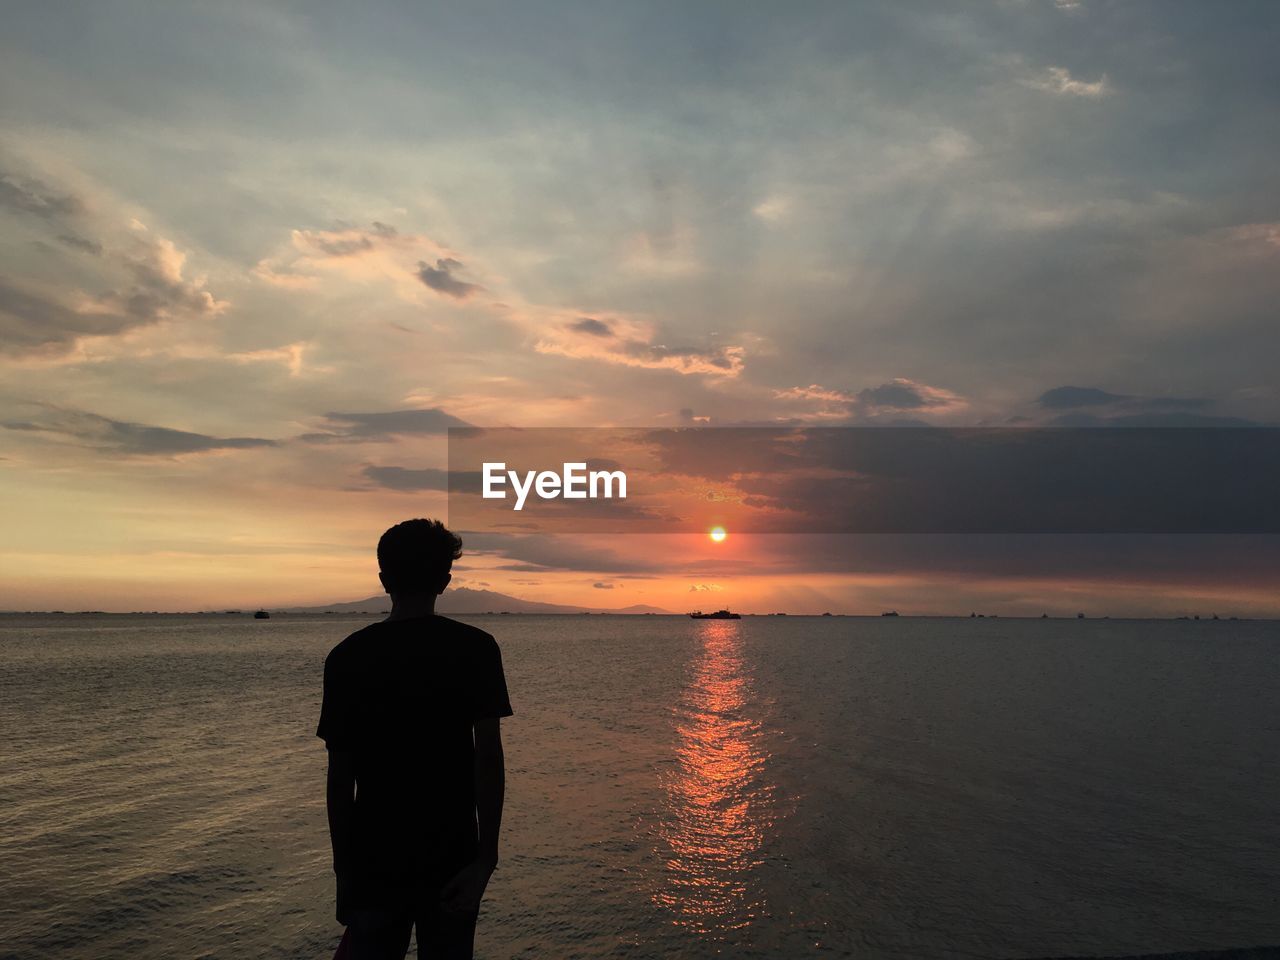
719	809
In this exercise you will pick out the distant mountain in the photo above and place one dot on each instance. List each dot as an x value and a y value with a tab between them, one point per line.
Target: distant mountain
466	600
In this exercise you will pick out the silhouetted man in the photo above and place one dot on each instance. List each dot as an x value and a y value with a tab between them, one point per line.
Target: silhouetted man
411	721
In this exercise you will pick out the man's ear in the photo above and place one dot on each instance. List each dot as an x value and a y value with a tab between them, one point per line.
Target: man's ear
445	582
382	579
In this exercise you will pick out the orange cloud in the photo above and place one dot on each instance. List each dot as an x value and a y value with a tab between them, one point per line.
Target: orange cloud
378	253
899	395
633	343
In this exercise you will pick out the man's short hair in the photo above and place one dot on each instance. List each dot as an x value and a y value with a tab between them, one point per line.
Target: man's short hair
416	555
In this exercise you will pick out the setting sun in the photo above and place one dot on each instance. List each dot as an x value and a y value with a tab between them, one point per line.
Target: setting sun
717	534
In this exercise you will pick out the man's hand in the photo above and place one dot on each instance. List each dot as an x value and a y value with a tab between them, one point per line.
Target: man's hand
462	894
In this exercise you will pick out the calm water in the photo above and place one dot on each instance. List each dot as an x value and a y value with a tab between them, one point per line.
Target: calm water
771	787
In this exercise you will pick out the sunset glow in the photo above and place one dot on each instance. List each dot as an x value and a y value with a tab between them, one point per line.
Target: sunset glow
232	341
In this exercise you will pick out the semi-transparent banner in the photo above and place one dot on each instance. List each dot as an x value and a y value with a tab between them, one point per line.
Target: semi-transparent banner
865	480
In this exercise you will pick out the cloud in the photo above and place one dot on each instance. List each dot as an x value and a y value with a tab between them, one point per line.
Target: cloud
77	242
591	326
342	246
772	209
401	478
341	242
286	277
542	553
159	290
441	279
633	343
903	394
28	195
1165	561
290	355
426	478
966	480
1058	80
140	282
1121	404
126	437
1151	419
1068	397
602	585
815	391
895	396
937	558
726	360
32	321
378	253
38	321
1260	236
1142	559
381	425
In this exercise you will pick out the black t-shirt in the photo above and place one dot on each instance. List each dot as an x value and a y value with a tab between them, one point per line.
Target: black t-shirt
402	696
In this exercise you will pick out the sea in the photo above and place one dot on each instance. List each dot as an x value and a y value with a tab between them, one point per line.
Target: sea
771	787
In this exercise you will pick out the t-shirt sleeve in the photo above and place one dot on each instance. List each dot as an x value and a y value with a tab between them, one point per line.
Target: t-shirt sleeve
336	721
491	699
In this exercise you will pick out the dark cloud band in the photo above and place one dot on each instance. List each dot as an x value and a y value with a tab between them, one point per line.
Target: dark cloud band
1141	480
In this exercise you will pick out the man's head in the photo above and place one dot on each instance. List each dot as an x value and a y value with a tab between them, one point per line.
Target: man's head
414	557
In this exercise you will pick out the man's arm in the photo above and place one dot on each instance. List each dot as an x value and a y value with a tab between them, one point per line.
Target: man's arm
340	799
490	785
464	891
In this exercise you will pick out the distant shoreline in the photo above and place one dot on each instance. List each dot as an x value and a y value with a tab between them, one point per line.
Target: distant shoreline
248	614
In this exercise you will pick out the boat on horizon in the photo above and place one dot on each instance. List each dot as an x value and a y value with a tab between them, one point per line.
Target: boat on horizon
262	615
718	615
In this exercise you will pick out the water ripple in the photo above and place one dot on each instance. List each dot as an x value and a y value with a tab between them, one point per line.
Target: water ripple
719	802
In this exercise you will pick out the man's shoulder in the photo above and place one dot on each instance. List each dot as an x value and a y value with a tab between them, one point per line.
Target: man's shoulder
448	623
464	631
352	642
455	630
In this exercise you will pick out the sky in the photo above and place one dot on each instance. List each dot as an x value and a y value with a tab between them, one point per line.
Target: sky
256	258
